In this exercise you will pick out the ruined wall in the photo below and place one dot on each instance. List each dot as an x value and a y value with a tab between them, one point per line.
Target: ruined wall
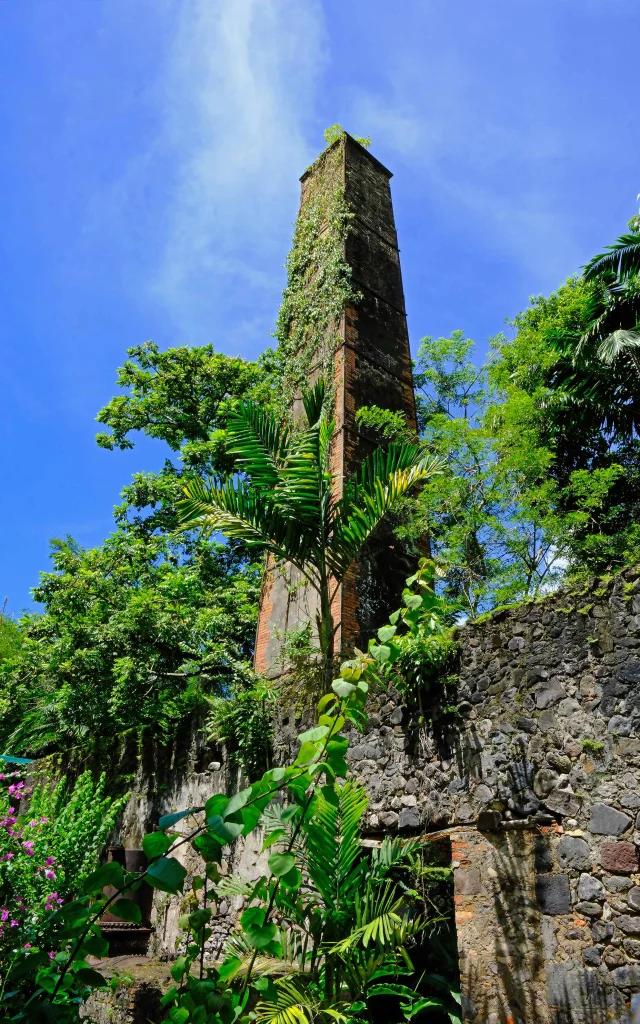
543	755
535	780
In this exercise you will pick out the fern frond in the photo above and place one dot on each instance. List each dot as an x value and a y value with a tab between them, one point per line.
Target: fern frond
293	1006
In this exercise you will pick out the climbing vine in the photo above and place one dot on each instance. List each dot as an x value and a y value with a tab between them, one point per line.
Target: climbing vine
318	280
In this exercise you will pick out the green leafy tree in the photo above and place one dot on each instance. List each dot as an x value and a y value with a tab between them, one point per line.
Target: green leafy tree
484	531
285	503
136	631
132	634
575	421
614	316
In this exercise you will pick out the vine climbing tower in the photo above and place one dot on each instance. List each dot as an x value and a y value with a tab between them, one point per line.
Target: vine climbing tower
343	319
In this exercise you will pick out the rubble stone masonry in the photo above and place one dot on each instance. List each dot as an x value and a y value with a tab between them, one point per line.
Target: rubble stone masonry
536	778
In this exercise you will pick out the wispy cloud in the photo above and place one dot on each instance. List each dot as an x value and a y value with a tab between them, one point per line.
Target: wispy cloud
237	87
483	157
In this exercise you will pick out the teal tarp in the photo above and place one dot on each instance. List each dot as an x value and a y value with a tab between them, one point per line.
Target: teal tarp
16	760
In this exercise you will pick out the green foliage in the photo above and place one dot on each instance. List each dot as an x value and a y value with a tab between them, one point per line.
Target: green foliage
243	721
578	418
416	646
284	502
132	634
325	933
335	132
318	285
542	458
182	396
590	746
136	631
484	525
612	332
47	853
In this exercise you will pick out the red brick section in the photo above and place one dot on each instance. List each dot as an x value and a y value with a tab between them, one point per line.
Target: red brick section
261	663
372	367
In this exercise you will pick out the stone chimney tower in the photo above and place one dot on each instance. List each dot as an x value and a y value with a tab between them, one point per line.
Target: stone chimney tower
368	356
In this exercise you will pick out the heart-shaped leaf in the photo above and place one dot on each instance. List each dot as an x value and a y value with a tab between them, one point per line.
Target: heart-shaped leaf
227	831
342	688
281	863
237	801
292	879
88	976
155	844
167	820
108	874
313	735
166	874
386	633
127	910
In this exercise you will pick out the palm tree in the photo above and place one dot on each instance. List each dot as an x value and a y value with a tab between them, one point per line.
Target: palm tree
347	929
286	501
614	310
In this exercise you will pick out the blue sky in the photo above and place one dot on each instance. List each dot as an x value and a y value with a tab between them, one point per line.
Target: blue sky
148	183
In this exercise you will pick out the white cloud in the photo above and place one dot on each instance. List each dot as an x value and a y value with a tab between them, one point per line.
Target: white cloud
478	152
237	87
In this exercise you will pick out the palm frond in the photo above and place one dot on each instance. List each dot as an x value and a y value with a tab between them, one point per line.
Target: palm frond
300	485
245	514
333	844
294	1004
259	442
620	342
380	921
620	259
313	400
384	478
393	851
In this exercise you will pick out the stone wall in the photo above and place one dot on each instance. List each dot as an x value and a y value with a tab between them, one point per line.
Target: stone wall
536	777
535	780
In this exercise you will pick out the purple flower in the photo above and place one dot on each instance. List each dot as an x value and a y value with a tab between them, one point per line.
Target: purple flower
4	915
28	847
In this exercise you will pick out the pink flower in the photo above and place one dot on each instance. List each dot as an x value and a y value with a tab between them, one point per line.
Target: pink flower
27	945
4	916
50	875
9	856
43	821
50	861
34	821
28	847
14	923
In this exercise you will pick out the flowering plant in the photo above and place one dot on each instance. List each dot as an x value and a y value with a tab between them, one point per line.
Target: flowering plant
50	840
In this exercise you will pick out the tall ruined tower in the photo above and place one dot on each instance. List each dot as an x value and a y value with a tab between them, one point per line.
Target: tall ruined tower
344	319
